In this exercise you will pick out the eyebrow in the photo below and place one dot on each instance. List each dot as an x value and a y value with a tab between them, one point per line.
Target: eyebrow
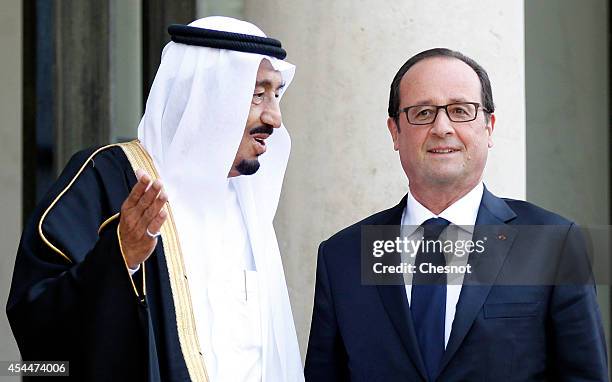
268	83
430	102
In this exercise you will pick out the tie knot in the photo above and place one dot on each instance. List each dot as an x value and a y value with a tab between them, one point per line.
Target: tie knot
433	227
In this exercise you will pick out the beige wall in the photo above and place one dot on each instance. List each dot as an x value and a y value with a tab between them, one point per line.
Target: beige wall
10	161
342	166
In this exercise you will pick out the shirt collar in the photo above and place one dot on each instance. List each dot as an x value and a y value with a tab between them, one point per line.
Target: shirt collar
462	213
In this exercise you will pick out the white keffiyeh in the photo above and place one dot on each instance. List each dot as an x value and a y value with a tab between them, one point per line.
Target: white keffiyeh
192	126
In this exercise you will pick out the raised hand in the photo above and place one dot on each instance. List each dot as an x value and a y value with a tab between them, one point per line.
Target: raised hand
142	216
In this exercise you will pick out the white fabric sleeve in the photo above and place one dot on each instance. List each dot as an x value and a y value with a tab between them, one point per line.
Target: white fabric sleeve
132	271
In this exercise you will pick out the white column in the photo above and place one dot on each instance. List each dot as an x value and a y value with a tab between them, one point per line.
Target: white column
343	166
126	69
230	8
567	82
10	161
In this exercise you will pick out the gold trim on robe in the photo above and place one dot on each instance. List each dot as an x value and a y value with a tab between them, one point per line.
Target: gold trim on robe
58	197
44	215
115	216
127	267
185	320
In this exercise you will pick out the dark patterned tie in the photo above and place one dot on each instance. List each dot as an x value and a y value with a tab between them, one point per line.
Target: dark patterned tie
428	299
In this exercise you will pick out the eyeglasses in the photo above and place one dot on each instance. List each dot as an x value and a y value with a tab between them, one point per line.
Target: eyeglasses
456	112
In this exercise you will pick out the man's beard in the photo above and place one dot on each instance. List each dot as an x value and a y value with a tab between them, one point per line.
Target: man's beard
248	166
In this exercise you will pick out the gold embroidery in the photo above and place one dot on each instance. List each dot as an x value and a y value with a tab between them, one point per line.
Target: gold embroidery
185	321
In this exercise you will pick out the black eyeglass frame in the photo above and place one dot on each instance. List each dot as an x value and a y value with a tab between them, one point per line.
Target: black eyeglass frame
445	107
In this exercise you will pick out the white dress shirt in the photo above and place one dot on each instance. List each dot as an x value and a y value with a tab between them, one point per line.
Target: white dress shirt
461	213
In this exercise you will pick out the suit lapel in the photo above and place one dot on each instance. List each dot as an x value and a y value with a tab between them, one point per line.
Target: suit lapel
498	237
396	304
395	301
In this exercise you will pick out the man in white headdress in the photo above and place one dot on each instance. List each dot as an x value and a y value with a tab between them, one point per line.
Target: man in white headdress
129	277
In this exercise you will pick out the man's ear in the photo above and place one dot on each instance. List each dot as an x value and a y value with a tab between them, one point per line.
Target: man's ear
394	130
490	128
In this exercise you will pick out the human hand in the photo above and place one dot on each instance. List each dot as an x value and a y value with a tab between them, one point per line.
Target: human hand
142	211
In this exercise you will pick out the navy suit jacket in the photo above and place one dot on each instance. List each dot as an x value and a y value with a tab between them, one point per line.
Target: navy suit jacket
499	333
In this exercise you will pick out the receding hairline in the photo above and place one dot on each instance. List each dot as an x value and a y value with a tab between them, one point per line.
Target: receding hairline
441	58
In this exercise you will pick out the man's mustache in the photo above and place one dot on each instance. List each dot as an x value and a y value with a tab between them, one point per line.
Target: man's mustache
265	129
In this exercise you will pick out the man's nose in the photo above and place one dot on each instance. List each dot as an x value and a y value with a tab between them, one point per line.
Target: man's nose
271	115
442	126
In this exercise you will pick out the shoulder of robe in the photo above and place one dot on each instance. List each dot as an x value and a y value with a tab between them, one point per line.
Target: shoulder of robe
87	195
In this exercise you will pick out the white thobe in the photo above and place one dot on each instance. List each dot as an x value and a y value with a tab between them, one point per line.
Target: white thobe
235	343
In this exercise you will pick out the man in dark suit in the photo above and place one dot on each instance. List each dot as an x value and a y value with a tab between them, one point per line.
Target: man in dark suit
513	319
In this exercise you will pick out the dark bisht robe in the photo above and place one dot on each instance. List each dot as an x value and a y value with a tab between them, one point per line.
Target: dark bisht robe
72	298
